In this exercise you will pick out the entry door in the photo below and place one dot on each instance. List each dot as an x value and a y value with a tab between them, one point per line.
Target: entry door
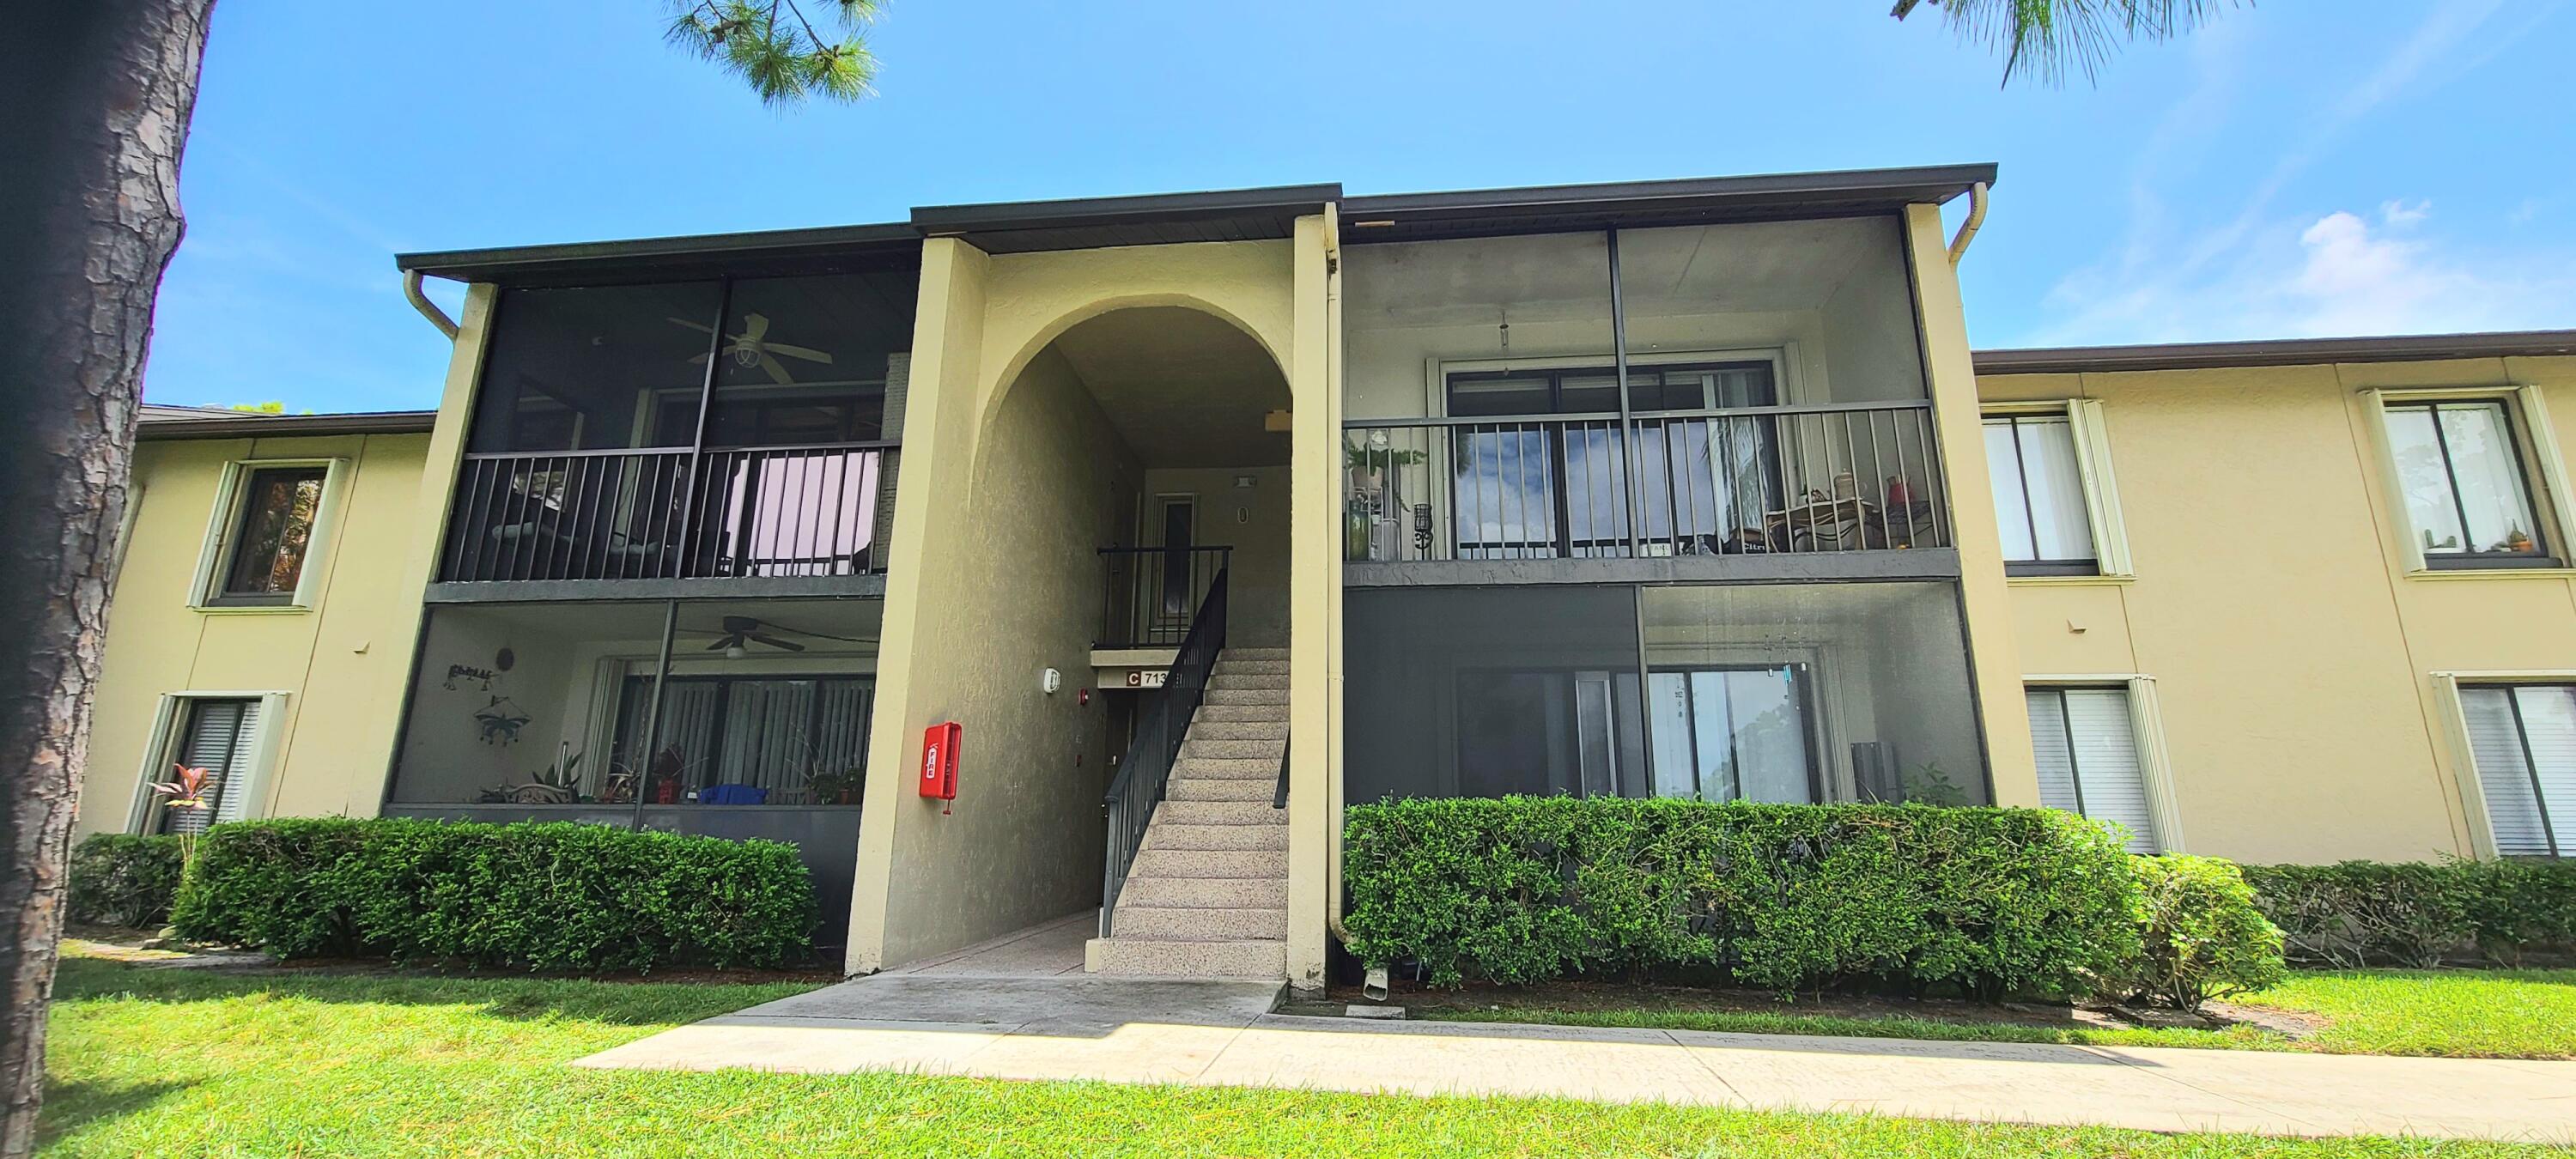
1177	520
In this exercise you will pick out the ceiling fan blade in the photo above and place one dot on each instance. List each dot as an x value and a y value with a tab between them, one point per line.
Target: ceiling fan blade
775	642
807	353
753	326
777	374
700	327
723	643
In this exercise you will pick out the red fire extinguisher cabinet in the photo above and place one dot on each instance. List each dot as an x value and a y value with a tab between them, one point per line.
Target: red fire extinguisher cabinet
939	761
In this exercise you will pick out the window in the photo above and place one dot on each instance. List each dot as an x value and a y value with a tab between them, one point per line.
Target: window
265	535
2039	496
751	740
2523	738
1734	733
2089	760
220	736
2460	473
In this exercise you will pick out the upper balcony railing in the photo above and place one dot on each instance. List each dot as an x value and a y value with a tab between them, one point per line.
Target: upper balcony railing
670	513
1839	477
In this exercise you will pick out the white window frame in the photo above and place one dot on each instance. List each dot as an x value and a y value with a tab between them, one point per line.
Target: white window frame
160	756
214	555
2147	731
2091	436
2550	495
2464	758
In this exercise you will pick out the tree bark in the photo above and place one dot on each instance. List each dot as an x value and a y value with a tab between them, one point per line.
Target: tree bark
98	95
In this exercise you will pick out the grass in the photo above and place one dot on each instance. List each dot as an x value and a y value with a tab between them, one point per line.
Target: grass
2455	1013
158	1061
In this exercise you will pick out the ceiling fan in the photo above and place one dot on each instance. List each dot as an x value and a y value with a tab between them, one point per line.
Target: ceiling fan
739	630
752	348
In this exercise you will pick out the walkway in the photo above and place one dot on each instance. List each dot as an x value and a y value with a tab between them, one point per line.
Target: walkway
1008	1010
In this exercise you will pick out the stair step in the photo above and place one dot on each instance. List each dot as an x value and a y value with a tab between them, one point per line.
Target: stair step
1178	836
1203	728
1279	654
1233	749
1152	862
1228	768
1212	924
1217	789
1241	813
1147	957
1229	666
1203	893
1242	713
1229	680
1278	696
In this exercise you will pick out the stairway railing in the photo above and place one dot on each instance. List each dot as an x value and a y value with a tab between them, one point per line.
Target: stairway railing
1162	723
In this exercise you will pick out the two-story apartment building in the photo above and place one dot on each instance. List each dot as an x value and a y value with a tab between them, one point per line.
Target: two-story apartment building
1203	515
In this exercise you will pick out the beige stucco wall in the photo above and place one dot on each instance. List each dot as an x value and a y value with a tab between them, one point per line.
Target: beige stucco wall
2292	653
340	662
1251	520
1011	477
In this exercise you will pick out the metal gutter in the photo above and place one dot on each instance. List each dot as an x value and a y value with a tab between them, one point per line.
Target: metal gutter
2279	352
397	422
521	263
1283	200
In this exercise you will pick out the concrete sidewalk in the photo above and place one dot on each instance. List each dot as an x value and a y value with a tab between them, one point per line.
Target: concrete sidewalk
1219	1034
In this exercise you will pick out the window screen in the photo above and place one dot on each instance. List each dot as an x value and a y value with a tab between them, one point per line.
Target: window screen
2088	759
218	736
2524	740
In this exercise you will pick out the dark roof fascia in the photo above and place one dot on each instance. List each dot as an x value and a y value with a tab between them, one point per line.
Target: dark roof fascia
823	248
2279	352
393	422
1011	216
1760	197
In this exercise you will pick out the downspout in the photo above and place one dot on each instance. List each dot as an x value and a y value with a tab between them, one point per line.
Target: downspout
1968	229
437	317
1374	987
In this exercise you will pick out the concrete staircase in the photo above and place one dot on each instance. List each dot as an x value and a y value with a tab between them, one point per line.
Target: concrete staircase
1208	894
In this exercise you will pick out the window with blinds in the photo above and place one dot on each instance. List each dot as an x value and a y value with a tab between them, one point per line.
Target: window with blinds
2523	738
221	737
2039	496
2088	759
767	736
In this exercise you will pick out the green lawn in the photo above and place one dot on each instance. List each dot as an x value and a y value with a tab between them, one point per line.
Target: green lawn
156	1062
2461	1013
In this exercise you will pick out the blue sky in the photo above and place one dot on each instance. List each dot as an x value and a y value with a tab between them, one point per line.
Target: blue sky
2297	169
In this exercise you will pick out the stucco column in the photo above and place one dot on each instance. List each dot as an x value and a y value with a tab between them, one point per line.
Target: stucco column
437	487
1314	621
1993	657
940	417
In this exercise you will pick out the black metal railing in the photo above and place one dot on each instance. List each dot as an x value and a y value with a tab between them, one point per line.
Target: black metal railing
1162	724
1740	481
1279	797
1153	592
669	513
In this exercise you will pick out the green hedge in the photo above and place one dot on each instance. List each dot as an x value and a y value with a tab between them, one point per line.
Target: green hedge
1785	897
123	880
2370	913
529	896
2205	936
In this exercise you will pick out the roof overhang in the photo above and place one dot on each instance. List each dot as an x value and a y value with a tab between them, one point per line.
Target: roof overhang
249	426
1556	208
2279	352
782	251
1099	222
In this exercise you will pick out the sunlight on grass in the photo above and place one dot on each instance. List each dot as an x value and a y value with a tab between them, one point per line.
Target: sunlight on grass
178	1062
2460	1013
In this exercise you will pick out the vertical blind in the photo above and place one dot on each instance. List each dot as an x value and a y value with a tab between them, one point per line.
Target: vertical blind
770	733
219	737
2088	759
2523	738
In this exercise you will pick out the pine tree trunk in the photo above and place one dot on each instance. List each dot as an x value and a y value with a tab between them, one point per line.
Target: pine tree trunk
98	95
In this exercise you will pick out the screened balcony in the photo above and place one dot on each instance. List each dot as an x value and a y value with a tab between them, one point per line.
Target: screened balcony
743	429
1694	391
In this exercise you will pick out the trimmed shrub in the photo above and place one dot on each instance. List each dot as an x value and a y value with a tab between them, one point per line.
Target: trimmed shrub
2204	937
529	896
120	879
2373	913
1785	897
